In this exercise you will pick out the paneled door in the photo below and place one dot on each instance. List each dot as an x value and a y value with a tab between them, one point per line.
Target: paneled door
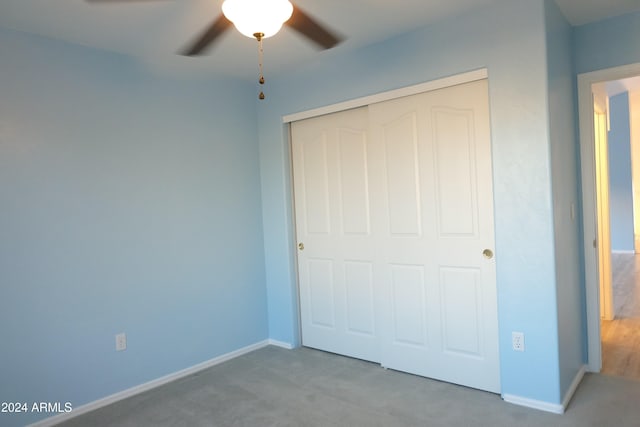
434	218
394	209
336	252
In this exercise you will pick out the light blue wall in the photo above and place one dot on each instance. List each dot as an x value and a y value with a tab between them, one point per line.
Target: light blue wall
118	214
509	39
620	181
608	43
129	202
565	172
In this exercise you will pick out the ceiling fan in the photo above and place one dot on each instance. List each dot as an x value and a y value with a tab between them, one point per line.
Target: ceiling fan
257	19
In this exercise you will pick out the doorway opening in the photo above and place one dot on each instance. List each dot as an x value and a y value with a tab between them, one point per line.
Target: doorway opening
609	103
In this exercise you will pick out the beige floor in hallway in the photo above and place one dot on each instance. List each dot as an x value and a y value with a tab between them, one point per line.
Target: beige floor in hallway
621	336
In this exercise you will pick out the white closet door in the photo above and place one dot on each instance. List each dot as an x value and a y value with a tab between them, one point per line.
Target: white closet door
433	209
394	207
333	222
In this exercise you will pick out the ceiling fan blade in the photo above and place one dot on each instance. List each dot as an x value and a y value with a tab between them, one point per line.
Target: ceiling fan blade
216	28
303	23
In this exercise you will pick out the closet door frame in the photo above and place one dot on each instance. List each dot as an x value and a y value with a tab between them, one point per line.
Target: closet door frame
462	78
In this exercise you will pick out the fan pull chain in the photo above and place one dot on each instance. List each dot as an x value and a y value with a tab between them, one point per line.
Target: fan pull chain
258	37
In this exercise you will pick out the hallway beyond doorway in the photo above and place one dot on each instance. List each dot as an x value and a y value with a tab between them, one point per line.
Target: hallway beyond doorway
621	336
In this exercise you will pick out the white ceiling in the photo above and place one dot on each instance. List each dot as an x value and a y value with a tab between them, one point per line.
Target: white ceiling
580	12
155	30
616	87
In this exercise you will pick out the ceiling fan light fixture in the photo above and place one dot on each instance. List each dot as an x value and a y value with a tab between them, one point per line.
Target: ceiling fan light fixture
257	16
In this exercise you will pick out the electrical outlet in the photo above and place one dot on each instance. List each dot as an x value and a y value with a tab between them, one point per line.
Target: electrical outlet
517	341
121	341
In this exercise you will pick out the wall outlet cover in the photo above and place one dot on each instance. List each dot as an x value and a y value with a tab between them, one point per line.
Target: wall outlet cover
517	341
121	341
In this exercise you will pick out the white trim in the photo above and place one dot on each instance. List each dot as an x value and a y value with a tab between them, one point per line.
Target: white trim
614	251
281	344
574	386
555	408
587	157
467	77
96	404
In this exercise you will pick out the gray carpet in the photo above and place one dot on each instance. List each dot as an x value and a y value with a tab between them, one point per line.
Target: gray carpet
304	387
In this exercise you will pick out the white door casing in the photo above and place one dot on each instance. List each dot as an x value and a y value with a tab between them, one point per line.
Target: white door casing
394	207
634	119
589	202
602	203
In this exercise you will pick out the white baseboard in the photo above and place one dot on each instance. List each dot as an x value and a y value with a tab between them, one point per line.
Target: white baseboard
282	344
96	404
574	386
623	252
540	405
556	408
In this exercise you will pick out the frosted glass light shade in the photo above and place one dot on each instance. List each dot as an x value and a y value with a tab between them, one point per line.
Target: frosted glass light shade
257	16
